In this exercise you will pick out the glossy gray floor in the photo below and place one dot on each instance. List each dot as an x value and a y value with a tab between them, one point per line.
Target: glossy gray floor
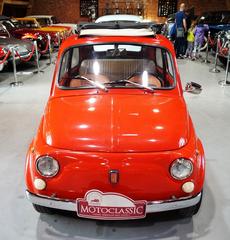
20	112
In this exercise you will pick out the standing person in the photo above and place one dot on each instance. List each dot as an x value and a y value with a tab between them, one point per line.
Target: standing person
190	40
181	28
200	30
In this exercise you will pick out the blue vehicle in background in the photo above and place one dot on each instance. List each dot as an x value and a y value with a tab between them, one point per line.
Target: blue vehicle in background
217	21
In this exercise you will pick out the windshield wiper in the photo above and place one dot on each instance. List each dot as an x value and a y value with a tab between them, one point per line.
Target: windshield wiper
94	83
133	83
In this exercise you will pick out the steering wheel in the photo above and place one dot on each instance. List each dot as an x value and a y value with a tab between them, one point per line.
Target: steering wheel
149	73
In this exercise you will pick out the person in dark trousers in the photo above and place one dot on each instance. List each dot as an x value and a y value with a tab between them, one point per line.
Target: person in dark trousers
181	28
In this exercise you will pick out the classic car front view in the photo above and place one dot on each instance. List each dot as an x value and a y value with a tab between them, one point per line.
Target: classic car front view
116	140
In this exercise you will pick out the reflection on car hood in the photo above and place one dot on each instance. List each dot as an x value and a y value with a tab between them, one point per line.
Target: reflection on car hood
116	123
20	45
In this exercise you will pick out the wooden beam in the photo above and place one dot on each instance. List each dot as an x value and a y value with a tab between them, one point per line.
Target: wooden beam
13	2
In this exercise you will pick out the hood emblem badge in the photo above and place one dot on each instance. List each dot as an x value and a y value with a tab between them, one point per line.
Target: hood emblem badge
114	176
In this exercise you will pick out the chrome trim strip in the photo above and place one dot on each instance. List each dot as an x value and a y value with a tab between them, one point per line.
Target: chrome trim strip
51	203
154	206
161	206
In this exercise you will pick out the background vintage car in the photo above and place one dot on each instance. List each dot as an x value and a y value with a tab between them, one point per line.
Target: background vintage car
23	47
51	20
92	127
32	23
19	31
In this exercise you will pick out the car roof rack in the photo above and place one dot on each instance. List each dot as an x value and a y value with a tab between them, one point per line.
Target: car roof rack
117	29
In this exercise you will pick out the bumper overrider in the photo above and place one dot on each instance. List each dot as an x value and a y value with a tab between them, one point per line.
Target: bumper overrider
151	206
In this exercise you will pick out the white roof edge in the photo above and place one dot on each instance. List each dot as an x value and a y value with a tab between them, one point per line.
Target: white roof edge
117	32
40	16
119	17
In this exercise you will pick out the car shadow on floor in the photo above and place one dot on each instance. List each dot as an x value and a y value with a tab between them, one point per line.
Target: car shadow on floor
155	226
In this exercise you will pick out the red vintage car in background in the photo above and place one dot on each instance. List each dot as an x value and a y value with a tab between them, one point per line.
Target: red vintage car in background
19	31
60	32
116	140
23	49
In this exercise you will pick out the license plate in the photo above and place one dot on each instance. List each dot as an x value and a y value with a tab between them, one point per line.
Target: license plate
109	206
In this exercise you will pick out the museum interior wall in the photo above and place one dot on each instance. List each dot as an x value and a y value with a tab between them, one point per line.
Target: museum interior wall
69	10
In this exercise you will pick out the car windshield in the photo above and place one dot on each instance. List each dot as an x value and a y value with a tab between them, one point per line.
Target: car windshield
43	21
3	32
8	24
55	20
117	65
28	23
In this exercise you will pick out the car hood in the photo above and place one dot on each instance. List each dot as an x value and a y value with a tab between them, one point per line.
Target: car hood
53	29
24	31
21	45
116	123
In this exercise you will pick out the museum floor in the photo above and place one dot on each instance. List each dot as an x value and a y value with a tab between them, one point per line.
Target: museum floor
20	112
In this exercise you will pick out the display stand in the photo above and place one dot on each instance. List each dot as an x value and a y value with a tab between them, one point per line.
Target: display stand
207	50
226	82
215	69
16	83
37	59
23	73
49	49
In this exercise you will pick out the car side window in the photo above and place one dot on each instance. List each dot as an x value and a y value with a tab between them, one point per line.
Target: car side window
169	63
75	57
64	65
159	60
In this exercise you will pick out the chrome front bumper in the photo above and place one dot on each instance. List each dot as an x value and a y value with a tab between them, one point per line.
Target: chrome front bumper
152	206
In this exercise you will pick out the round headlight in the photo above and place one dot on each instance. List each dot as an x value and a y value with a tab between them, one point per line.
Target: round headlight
47	166
181	168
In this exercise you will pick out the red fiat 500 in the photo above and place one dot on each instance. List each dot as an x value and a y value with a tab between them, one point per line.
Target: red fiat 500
116	140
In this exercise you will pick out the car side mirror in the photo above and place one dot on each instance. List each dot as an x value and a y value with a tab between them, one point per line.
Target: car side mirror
193	87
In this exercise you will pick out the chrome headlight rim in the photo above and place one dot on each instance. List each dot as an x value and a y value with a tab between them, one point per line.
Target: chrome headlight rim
179	160
40	172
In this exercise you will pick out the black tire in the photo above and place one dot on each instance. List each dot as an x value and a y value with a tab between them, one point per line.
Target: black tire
190	211
42	209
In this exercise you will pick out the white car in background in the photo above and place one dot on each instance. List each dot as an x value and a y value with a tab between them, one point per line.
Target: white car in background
51	20
120	18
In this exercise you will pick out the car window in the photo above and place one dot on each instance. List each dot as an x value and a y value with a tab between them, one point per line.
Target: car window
16	23
113	63
8	24
55	20
64	67
170	66
28	23
75	57
3	32
159	59
43	21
